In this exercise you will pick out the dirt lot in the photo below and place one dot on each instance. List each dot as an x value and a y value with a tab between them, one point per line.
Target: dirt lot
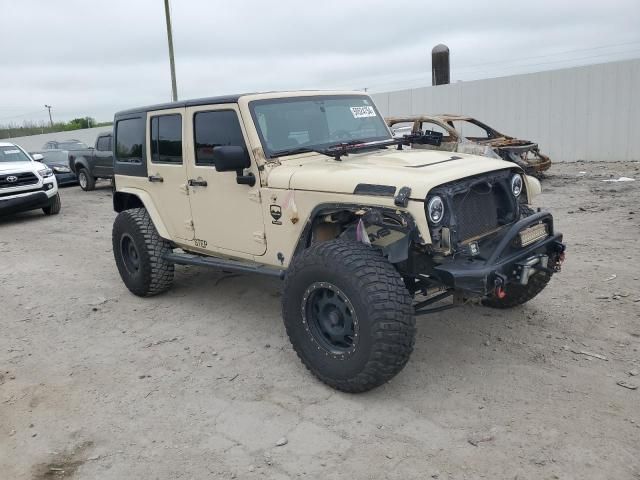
202	382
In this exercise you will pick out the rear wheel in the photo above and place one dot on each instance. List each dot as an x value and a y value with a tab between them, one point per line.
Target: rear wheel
348	315
54	207
139	253
86	180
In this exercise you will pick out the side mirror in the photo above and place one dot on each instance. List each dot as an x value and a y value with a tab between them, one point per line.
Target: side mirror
230	158
37	157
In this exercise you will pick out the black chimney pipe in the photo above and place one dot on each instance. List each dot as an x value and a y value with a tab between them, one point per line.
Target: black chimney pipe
440	72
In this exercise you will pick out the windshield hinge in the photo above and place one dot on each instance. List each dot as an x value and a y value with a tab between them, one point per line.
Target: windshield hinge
254	195
260	237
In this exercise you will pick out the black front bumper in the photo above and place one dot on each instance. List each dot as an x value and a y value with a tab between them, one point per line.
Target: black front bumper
32	201
499	261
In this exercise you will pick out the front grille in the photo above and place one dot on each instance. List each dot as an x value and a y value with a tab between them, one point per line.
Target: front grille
476	211
21	179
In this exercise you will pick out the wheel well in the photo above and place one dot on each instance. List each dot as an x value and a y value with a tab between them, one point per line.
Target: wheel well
384	227
126	201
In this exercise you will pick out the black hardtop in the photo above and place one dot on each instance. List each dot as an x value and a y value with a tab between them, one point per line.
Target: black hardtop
182	103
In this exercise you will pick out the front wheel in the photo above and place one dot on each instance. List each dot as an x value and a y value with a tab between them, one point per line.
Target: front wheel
86	180
54	207
348	315
139	253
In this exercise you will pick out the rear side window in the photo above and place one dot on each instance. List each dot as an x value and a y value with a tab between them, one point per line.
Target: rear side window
166	139
104	144
129	140
214	129
469	129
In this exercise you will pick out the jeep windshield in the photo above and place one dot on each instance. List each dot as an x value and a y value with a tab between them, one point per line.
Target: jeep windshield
11	153
306	124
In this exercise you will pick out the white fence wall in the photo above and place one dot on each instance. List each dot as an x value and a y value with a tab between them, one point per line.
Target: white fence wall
580	113
35	142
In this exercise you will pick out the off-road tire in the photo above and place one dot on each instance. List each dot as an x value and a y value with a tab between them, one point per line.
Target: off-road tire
383	308
516	294
526	211
86	181
154	274
54	207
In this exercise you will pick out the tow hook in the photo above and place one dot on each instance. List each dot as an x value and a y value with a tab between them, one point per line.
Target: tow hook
498	285
561	249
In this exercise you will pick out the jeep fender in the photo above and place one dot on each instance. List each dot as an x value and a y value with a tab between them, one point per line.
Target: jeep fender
127	198
533	187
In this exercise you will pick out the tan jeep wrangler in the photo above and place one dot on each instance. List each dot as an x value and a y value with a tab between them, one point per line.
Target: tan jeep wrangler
312	188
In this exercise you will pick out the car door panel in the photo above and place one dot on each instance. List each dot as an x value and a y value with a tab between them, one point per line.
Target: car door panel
167	179
227	216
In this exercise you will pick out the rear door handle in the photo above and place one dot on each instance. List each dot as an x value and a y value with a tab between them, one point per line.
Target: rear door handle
197	183
156	178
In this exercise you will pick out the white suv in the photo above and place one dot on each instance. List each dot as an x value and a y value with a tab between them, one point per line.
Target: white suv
26	184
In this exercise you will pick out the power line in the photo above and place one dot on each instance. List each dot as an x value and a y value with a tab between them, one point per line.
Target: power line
515	63
553	54
22	115
562	61
424	76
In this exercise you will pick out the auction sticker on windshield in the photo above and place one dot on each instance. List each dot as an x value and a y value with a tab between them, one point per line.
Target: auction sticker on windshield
363	112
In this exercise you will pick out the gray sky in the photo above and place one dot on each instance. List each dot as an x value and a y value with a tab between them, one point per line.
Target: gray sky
96	57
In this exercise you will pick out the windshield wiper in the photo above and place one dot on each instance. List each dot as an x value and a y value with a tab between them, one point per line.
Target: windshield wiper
294	151
338	150
335	151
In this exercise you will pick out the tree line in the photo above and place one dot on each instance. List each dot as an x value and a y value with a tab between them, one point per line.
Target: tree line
30	127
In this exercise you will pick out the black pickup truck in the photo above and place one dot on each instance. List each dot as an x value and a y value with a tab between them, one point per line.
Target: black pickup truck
93	163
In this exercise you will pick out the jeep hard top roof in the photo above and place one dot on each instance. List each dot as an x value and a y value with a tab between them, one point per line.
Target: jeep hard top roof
232	99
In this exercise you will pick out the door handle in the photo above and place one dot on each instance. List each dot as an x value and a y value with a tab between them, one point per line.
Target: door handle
197	183
156	178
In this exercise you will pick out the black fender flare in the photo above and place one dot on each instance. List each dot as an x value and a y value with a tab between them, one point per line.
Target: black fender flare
75	163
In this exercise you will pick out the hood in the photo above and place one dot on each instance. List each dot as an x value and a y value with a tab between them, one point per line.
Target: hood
421	170
505	142
16	166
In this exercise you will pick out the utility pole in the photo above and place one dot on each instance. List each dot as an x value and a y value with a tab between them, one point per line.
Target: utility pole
174	89
48	107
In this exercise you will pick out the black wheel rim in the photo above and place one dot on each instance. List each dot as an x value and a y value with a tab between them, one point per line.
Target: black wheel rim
330	319
130	255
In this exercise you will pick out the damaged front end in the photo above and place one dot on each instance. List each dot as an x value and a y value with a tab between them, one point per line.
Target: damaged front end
483	238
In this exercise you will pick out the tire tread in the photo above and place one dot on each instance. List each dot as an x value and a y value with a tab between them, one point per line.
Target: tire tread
158	273
390	310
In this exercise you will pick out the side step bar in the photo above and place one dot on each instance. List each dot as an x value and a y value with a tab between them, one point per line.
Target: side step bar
231	265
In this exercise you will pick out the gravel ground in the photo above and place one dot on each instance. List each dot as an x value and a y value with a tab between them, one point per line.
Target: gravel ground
202	383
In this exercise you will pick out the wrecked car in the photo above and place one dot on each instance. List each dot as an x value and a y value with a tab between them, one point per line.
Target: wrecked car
312	188
468	135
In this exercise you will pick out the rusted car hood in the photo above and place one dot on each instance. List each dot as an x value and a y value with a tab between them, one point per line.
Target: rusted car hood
505	142
421	170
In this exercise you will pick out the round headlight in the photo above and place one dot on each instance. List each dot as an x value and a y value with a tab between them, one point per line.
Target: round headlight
435	209
516	185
